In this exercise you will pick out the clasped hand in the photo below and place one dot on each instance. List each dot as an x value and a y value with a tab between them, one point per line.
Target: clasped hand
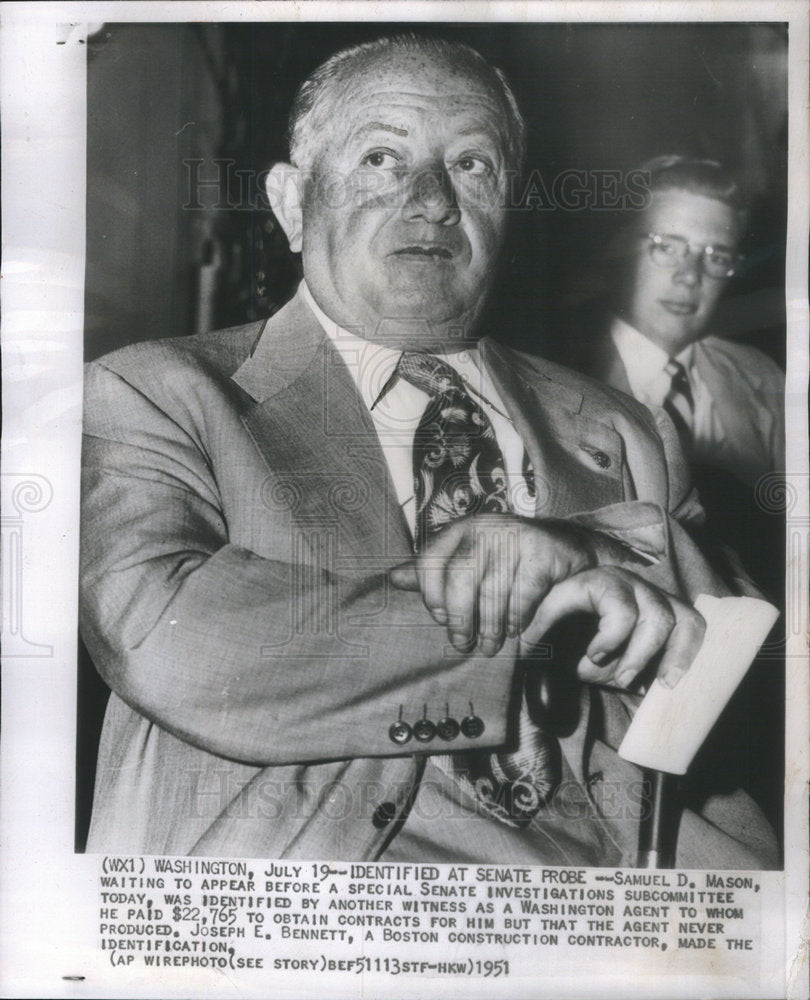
492	576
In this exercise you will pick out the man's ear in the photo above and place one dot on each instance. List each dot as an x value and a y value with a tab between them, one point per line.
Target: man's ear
284	187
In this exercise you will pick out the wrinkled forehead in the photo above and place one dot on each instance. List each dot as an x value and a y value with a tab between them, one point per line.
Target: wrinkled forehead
418	72
409	89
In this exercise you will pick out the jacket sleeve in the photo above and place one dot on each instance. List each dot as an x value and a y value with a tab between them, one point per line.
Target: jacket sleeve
691	519
660	530
262	660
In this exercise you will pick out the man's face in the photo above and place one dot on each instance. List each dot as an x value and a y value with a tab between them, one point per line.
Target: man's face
672	306
404	208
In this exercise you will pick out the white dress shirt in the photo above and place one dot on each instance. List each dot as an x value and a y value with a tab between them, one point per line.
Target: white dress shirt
397	413
645	362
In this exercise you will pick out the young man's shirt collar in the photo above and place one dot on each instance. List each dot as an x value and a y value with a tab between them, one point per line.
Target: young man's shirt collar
645	362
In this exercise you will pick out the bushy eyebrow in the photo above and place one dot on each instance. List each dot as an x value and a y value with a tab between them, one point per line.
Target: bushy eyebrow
381	127
477	130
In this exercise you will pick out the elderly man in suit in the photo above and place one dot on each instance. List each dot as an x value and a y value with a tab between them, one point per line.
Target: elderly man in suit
320	553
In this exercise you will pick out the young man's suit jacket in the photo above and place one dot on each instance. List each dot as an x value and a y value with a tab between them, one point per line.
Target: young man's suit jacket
239	522
747	390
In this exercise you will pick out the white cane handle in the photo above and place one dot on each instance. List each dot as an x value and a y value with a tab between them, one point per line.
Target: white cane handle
671	723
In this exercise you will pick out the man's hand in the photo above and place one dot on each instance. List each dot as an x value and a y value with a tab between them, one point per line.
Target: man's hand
487	577
484	576
637	623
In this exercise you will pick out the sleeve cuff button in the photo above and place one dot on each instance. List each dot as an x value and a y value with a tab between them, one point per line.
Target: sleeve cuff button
472	726
424	730
447	728
399	732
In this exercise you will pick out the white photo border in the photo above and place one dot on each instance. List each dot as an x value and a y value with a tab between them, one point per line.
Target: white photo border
49	894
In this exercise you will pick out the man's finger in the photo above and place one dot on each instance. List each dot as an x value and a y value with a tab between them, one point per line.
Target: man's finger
449	546
594	591
494	589
684	643
524	599
463	572
650	634
404	576
430	568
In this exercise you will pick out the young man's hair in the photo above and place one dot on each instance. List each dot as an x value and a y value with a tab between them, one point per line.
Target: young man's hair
705	177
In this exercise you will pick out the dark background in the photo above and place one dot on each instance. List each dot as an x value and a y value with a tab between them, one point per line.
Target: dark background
171	103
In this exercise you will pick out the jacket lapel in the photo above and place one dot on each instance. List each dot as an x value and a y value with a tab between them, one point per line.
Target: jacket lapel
320	446
577	460
747	426
322	451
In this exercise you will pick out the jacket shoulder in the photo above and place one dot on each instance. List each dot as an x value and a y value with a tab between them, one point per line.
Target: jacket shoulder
745	358
180	378
218	352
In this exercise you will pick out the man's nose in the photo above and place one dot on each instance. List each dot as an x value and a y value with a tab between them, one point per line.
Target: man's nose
431	197
689	271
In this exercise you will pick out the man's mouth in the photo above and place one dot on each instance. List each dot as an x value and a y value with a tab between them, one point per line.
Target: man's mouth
424	253
679	308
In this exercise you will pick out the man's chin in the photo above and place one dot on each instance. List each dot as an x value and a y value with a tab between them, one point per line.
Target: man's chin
430	302
676	333
418	330
425	320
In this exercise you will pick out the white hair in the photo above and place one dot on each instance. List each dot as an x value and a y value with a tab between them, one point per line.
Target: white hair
322	91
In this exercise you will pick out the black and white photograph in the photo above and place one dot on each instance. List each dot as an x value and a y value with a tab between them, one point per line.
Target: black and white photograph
405	500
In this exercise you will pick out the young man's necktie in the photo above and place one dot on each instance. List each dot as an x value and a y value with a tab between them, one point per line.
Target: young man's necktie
459	470
679	402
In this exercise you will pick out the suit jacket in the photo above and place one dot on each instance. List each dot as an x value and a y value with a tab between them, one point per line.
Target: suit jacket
239	522
748	393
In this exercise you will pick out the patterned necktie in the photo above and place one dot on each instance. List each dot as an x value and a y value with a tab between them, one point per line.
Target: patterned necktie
457	464
459	470
679	403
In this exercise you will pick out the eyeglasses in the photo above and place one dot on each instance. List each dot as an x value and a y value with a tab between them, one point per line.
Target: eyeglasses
672	251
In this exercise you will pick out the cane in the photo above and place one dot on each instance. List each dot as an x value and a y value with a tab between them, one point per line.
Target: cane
656	840
671	723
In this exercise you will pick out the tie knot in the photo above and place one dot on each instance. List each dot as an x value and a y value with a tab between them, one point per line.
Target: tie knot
676	371
428	373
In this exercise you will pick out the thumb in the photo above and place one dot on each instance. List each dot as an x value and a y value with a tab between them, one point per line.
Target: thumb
404	576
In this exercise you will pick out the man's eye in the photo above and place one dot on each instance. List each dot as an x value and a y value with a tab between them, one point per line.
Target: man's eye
380	159
720	258
474	165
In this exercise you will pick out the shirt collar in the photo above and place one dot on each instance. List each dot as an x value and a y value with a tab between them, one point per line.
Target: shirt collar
371	365
643	360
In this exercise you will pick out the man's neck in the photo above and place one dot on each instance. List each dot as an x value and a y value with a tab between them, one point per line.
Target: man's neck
397	334
643	360
667	347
